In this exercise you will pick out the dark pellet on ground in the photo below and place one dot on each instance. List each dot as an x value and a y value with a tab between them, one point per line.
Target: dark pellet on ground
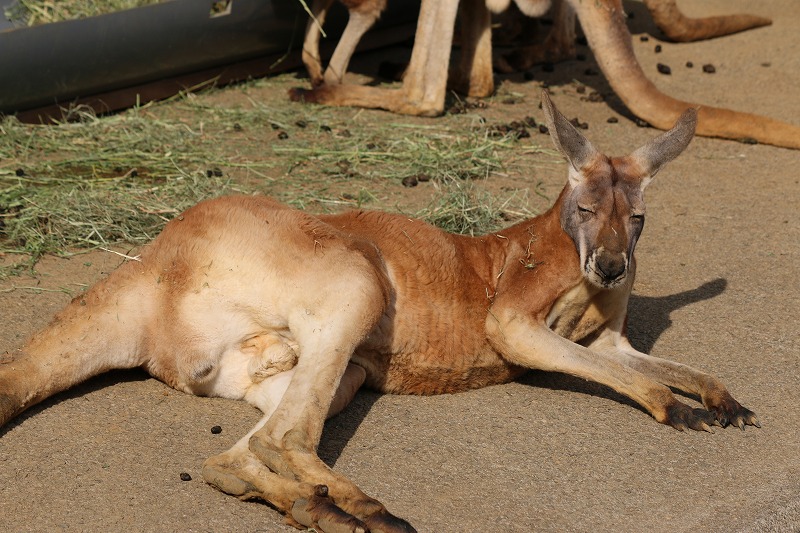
709	68
185	477
543	129
641	123
766	64
216	430
612	120
371	146
578	124
594	96
237	126
657	49
19	172
275	126
530	122
301	124
689	64
326	129
410	181
644	38
214	172
663	69
283	135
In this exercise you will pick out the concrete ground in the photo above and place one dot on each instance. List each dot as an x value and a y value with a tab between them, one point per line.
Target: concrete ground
717	289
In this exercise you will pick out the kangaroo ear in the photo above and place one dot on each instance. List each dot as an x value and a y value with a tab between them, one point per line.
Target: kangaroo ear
666	147
575	147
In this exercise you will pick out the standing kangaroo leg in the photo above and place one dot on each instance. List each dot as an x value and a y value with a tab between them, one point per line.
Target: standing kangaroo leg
474	76
311	57
425	83
362	18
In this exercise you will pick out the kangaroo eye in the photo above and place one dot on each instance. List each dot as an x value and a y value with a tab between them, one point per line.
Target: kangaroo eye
586	210
638	217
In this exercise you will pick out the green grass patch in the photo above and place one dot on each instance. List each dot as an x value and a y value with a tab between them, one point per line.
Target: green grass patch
89	181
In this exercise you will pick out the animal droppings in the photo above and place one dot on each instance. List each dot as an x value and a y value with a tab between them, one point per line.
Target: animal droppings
543	129
185	477
282	135
641	123
708	68
689	64
216	430
410	181
612	120
594	96
644	38
657	49
301	123
578	124
663	69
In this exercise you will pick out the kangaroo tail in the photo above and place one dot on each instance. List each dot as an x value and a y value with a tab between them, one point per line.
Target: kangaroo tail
98	331
680	28
605	29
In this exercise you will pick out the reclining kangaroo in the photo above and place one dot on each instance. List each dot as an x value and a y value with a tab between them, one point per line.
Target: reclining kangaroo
244	298
603	21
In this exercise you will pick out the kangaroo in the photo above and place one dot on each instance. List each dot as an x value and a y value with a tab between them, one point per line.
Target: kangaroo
244	298
426	79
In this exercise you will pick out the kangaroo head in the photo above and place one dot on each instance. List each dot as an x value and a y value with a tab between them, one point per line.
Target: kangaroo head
603	207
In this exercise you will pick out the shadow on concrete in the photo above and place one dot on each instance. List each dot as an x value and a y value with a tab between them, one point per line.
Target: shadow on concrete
92	385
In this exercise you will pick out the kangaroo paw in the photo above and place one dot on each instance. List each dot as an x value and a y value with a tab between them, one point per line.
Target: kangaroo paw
319	512
730	412
386	522
682	417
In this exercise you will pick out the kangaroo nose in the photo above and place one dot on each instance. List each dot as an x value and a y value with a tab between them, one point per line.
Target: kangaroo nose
611	267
